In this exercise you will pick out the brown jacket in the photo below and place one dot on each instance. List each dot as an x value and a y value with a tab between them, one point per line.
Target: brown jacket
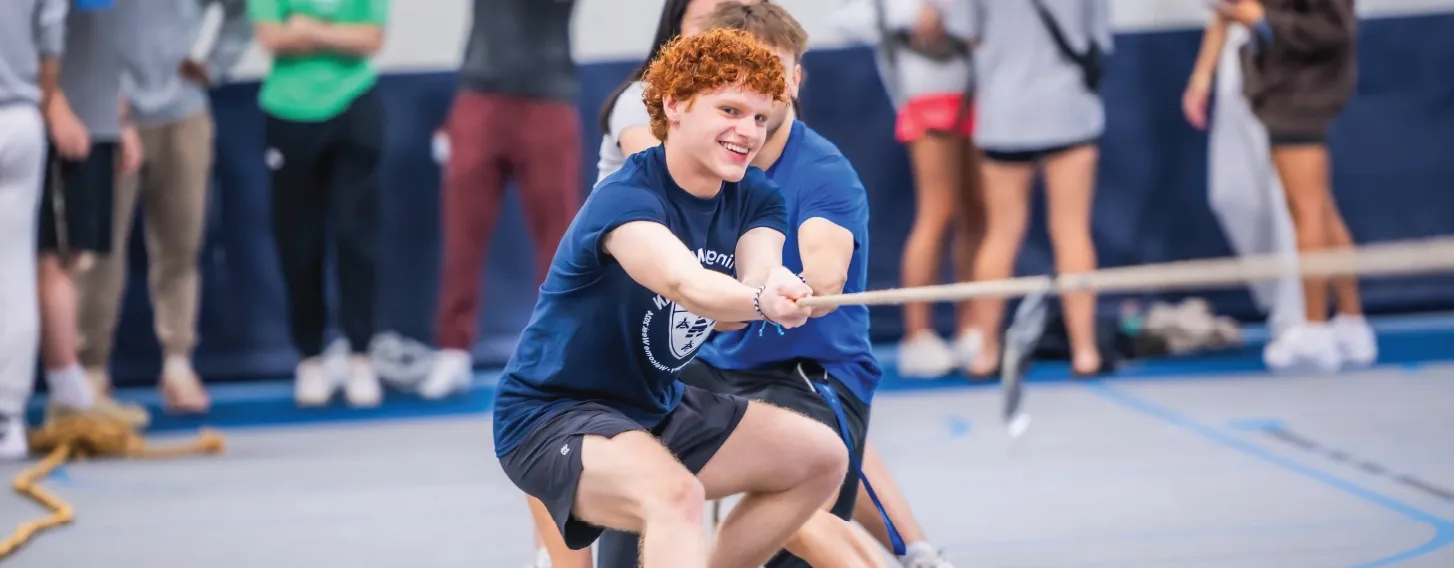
1300	81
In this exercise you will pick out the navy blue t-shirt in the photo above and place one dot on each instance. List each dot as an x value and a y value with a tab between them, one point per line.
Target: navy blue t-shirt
816	180
598	336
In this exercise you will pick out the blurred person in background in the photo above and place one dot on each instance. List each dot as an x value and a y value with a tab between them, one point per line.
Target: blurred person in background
624	123
924	57
1298	69
1038	66
324	129
514	116
91	143
32	41
168	103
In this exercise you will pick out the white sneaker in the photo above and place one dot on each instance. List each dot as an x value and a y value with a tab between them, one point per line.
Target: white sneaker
925	356
450	374
967	347
542	559
1306	348
314	385
13	446
361	387
1356	340
925	559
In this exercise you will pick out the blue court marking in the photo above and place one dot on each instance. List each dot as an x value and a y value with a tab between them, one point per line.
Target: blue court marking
1443	528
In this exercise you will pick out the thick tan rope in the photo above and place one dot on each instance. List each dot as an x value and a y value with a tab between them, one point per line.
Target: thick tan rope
81	436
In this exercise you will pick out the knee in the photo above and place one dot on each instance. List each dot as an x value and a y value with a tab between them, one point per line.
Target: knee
679	497
824	460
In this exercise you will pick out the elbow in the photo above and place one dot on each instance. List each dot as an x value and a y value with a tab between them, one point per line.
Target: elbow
826	284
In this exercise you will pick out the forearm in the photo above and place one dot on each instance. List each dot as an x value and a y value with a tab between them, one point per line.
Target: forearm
360	40
51	96
281	41
1213	40
717	296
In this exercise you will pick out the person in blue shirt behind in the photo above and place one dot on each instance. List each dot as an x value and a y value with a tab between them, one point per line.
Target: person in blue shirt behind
828	243
590	418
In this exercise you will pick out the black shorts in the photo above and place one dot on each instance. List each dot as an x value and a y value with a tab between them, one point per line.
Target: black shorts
784	386
1280	138
76	208
547	463
1032	156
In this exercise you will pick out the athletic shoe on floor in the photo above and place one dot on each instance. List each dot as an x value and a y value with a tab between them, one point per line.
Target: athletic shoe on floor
967	347
449	375
921	555
1309	348
1356	341
13	446
314	385
925	356
361	387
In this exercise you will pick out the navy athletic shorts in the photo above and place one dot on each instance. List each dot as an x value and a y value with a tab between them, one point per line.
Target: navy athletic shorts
547	462
785	386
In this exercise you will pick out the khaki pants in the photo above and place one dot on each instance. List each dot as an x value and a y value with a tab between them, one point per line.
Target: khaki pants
172	187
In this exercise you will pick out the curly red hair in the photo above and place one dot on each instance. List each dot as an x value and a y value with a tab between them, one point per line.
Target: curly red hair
692	65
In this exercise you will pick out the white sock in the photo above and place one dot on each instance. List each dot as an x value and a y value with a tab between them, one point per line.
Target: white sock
542	558
176	366
69	387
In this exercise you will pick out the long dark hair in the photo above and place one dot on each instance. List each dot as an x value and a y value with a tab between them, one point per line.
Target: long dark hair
667	28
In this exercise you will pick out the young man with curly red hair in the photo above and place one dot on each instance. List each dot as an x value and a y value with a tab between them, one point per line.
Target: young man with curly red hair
591	418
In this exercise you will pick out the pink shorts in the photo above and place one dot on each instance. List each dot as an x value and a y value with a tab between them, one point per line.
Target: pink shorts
934	113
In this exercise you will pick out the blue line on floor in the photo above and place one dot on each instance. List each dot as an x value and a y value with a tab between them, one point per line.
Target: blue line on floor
1443	528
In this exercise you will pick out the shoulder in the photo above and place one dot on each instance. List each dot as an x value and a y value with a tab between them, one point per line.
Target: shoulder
631	98
828	165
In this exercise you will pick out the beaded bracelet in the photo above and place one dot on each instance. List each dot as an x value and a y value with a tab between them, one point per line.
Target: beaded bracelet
758	308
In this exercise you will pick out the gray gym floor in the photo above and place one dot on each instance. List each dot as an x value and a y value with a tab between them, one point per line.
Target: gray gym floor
1246	471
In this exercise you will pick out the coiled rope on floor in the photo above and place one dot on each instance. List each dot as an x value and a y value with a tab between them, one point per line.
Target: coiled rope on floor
84	436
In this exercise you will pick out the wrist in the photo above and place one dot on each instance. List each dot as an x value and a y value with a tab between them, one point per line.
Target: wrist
757	303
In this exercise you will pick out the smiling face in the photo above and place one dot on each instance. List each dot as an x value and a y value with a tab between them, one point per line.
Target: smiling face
724	129
711	97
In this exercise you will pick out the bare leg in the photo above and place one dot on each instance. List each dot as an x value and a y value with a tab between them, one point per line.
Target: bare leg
1007	214
936	161
970	225
632	483
60	342
1070	179
548	536
1304	173
786	466
1345	288
826	540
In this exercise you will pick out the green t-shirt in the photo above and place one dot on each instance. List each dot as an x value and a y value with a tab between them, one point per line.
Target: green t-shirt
316	86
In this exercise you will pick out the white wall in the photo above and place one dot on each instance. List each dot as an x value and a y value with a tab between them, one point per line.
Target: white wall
429	34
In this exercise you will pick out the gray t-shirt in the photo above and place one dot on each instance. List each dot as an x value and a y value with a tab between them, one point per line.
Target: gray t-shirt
91	71
1028	95
628	111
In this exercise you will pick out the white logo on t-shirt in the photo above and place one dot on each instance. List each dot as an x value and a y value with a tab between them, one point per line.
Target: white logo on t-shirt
685	331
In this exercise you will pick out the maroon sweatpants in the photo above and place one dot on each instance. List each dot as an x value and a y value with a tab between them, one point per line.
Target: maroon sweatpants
493	139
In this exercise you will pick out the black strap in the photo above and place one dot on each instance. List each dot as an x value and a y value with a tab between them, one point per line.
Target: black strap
1089	62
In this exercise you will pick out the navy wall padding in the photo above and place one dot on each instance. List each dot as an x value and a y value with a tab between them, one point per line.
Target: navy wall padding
1392	172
